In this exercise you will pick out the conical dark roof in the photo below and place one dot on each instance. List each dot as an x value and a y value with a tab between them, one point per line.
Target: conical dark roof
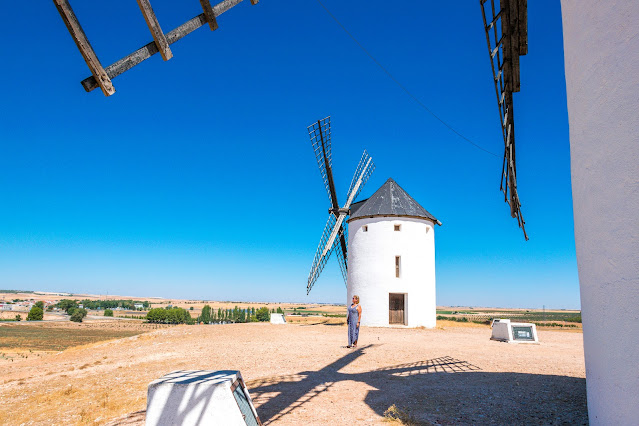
390	200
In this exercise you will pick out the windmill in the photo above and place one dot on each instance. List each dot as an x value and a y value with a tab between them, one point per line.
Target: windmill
334	231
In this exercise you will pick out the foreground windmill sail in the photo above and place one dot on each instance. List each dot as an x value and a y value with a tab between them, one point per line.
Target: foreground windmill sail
334	231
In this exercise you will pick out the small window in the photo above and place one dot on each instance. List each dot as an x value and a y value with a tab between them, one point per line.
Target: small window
365	228
397	265
398	227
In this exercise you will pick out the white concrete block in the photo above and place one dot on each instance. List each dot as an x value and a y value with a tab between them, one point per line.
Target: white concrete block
514	332
278	319
200	397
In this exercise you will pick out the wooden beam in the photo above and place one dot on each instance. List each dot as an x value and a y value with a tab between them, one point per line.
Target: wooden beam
209	14
523	27
151	49
100	76
156	31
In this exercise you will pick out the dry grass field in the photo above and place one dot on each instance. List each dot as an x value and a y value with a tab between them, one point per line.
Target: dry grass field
301	373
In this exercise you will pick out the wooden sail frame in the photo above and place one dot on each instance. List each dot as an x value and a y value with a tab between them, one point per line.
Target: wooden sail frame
101	77
505	25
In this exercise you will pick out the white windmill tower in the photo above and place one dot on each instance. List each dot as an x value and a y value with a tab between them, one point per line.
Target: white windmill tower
389	261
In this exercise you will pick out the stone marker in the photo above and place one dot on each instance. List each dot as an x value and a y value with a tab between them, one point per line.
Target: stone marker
514	332
200	397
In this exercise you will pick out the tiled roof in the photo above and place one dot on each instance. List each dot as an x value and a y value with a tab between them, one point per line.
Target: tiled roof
390	200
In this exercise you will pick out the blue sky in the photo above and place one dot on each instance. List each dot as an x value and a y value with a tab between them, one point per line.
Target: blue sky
197	179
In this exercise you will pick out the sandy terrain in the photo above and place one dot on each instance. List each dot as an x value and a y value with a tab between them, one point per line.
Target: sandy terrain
303	374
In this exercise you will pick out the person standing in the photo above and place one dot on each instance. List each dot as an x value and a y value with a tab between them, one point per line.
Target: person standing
352	321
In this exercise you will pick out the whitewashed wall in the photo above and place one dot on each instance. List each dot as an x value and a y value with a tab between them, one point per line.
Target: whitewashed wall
601	46
371	268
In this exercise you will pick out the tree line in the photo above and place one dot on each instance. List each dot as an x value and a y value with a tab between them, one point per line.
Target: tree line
236	315
113	303
208	315
168	315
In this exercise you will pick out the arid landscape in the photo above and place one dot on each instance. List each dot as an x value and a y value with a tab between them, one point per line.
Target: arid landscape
97	372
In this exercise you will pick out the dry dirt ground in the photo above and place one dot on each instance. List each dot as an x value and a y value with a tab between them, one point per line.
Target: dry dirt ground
303	374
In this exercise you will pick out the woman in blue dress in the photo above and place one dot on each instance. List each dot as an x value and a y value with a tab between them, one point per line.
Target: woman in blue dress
354	316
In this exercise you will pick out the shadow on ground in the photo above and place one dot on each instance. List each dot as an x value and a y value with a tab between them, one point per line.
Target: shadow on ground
444	391
437	391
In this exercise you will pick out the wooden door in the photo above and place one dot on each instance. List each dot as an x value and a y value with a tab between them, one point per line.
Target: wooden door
396	308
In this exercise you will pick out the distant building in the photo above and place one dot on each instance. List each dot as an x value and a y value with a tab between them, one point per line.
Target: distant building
5	307
138	306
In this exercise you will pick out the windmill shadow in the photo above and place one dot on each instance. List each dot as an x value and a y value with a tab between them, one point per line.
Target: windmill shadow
294	391
442	390
298	389
439	389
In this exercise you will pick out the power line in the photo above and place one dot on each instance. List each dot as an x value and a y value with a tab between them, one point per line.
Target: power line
401	86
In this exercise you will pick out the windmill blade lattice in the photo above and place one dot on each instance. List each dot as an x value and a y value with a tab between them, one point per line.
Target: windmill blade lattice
365	169
320	134
320	259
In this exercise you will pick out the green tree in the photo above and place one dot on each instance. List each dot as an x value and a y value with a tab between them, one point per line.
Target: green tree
18	318
205	316
35	314
156	315
82	311
77	316
65	304
191	308
108	312
279	310
263	314
169	316
40	304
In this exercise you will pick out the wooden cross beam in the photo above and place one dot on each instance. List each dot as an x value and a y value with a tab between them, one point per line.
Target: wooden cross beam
209	14
156	31
102	76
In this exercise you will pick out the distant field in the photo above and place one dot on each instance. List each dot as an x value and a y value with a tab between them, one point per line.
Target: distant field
554	318
40	338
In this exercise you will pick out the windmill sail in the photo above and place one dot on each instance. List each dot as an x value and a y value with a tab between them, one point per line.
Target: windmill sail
334	230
